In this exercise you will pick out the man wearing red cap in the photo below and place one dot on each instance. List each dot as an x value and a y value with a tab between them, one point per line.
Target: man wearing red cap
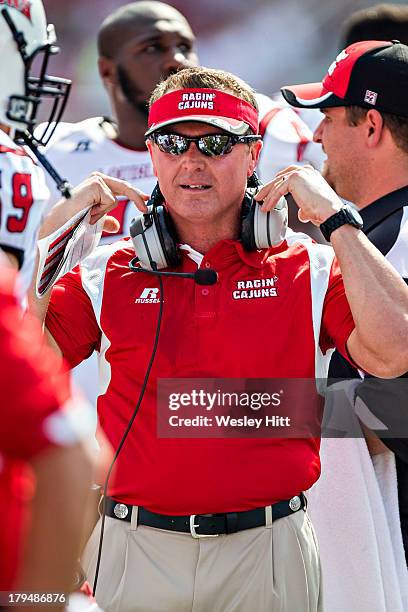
364	133
209	523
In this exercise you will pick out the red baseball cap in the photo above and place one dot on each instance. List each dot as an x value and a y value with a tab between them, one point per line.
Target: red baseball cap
211	106
372	74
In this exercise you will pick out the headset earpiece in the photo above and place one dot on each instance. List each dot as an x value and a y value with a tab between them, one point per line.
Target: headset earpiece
154	236
167	235
262	230
247	222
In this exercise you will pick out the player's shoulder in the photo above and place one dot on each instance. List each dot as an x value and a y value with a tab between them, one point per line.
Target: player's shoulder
118	252
15	158
279	121
266	104
9	147
72	136
271	106
6	141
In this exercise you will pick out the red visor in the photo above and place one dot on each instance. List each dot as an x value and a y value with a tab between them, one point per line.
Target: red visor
210	106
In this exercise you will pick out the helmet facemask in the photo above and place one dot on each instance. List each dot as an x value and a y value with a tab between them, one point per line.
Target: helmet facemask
22	108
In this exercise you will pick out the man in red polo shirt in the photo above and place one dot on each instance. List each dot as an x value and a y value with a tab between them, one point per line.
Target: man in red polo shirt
169	498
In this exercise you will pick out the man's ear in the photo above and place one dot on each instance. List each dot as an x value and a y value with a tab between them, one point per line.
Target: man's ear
107	71
151	151
255	151
374	127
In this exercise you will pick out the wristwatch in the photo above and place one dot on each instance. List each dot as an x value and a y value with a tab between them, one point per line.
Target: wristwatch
346	215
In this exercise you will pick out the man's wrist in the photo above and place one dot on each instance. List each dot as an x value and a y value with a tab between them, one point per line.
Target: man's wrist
57	217
345	216
329	214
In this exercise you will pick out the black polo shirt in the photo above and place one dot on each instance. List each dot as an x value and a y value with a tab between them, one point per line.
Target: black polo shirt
386	225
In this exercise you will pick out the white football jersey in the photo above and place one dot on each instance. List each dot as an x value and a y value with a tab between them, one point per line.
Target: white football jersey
286	139
78	149
23	198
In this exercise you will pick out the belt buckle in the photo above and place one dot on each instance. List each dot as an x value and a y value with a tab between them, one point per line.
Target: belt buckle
196	535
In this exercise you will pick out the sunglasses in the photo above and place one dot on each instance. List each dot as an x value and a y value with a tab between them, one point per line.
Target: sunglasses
212	145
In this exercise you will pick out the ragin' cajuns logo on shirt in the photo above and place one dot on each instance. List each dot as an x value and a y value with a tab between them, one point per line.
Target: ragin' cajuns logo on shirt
255	288
196	100
24	6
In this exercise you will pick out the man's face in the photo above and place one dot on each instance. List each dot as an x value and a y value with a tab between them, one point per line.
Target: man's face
343	145
151	54
202	189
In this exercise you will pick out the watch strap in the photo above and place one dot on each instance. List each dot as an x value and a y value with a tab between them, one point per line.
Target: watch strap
345	216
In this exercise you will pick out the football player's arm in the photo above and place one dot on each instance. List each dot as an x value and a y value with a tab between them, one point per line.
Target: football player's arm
63	477
97	194
38	308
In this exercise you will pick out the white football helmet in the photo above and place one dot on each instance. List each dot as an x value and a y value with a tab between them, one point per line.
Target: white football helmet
26	43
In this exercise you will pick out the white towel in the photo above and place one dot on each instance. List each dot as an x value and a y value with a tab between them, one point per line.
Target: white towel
354	509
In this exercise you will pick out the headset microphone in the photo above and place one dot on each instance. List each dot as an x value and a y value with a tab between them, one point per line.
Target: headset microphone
200	277
205	277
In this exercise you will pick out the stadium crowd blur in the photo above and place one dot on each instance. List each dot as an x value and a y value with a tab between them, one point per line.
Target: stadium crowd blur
225	32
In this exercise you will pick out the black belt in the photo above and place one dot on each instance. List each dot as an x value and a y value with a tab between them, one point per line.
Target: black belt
201	525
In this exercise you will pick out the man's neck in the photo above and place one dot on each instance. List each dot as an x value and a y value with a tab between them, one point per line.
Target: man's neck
378	189
382	179
203	237
132	126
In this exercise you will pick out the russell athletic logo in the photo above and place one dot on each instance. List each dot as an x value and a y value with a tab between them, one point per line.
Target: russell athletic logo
149	295
197	100
255	288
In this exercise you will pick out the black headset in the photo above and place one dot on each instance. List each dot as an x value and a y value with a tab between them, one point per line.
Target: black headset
154	235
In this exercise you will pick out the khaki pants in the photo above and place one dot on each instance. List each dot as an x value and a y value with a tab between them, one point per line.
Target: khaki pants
274	569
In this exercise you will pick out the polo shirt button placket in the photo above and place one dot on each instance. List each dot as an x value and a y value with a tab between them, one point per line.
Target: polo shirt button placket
205	297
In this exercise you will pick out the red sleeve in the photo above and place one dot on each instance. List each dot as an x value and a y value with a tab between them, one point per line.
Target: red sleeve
32	382
337	320
71	320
